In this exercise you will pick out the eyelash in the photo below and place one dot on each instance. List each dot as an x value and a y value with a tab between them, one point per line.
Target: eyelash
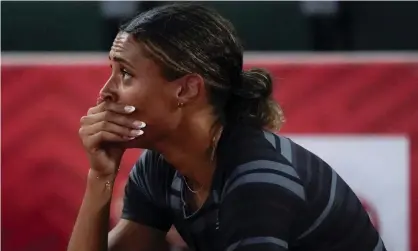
125	73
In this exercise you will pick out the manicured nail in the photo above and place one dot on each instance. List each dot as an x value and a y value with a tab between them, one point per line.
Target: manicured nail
129	138
129	109
137	132
139	124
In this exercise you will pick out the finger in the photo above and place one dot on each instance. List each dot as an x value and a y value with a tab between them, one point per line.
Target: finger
99	100
118	108
96	109
102	136
111	106
112	128
113	118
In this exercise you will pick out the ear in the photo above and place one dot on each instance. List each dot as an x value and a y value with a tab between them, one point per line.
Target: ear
191	87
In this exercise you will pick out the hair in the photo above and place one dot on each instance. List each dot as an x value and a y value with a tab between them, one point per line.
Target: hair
185	38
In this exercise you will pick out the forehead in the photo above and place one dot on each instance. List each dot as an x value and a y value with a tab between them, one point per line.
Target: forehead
125	46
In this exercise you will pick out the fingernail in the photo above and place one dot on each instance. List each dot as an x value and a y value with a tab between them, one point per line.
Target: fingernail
129	138
139	124
129	109
137	132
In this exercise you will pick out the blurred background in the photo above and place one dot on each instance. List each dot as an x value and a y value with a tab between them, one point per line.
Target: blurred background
346	75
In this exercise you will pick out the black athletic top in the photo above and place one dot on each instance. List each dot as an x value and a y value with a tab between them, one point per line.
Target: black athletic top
268	194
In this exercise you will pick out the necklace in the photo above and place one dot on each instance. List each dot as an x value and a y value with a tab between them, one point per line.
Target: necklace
215	140
190	189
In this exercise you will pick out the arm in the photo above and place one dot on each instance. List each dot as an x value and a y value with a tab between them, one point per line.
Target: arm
90	230
108	122
131	236
260	202
143	225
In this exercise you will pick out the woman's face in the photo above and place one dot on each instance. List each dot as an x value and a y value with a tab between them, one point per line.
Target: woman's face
136	80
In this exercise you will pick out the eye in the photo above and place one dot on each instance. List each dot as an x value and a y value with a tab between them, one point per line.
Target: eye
125	74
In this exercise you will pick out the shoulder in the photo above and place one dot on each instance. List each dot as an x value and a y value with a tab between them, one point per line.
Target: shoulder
145	192
243	144
265	175
254	161
262	193
152	174
150	163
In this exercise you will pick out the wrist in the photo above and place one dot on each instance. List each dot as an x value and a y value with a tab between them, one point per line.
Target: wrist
93	174
103	181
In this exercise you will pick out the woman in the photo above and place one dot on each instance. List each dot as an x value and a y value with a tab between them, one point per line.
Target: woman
212	169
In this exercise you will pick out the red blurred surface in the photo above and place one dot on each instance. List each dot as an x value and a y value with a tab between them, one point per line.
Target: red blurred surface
44	166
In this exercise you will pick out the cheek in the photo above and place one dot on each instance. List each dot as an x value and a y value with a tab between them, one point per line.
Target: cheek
155	106
162	116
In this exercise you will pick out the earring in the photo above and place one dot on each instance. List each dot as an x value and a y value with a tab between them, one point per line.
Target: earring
180	104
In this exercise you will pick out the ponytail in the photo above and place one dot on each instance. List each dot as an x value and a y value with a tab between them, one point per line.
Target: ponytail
251	101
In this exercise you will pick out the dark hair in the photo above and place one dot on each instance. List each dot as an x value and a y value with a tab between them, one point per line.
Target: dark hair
188	38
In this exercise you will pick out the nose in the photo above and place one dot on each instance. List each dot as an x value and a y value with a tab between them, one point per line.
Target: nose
109	91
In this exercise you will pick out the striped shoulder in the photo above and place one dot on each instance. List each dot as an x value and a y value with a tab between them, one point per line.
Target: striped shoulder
267	171
282	145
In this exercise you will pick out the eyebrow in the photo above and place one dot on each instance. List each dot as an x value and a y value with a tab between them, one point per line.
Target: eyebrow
120	60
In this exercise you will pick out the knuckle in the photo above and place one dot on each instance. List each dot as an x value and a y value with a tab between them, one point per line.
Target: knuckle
83	120
107	106
103	125
90	111
100	135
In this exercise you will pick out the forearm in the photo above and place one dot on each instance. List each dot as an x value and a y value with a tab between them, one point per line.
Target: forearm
92	224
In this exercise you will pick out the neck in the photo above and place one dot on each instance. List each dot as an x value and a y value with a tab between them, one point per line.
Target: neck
190	150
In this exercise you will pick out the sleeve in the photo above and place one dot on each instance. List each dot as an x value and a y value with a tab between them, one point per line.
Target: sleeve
260	201
140	203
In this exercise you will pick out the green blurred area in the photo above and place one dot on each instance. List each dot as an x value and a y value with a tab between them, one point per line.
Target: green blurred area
77	26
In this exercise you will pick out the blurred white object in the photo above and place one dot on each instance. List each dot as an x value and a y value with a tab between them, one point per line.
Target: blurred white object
377	168
118	9
312	8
